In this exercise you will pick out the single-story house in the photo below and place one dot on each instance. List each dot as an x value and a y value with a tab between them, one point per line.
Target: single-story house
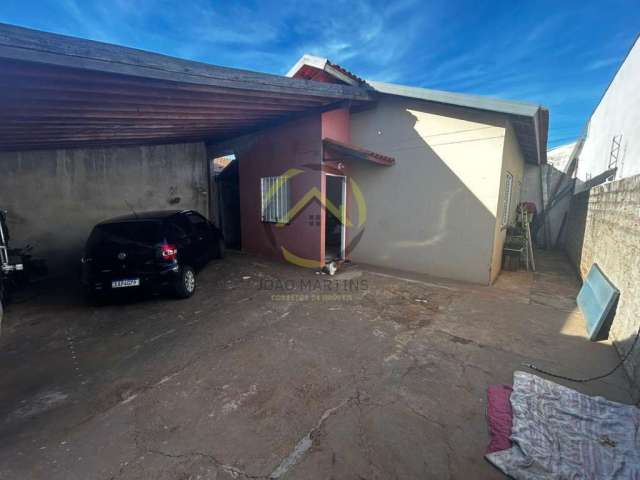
423	180
329	166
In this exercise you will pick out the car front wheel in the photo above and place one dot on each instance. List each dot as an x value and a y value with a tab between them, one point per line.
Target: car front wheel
186	284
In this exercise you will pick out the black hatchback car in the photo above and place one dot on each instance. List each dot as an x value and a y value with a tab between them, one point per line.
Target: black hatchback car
152	251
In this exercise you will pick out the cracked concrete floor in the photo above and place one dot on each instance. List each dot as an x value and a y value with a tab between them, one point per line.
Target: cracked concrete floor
256	377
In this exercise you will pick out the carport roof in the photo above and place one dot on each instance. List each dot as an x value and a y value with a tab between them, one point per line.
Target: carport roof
58	91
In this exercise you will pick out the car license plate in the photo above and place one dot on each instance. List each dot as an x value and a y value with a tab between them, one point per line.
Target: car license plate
127	282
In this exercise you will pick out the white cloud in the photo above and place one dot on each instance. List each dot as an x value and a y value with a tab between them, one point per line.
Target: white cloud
603	62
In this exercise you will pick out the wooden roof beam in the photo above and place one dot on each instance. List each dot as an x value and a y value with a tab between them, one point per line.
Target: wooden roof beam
30	45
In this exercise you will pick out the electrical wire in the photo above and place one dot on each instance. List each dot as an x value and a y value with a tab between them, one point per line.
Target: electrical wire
589	379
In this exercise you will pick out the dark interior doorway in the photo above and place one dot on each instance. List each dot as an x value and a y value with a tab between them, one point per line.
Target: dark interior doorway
225	198
335	212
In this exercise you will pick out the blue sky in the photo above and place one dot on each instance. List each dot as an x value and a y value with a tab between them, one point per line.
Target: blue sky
561	54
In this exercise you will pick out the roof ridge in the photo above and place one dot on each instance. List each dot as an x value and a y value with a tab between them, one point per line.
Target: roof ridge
451	92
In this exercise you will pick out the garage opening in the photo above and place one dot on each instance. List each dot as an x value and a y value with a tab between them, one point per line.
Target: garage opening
335	232
225	198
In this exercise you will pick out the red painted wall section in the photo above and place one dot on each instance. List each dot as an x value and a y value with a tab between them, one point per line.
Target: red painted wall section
296	144
336	125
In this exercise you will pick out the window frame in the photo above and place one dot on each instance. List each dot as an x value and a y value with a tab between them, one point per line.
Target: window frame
199	225
183	223
174	231
277	209
506	201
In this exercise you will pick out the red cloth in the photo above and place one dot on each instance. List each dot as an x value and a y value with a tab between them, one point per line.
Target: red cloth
499	417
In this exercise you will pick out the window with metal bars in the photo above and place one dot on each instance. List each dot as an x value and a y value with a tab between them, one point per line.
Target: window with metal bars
275	199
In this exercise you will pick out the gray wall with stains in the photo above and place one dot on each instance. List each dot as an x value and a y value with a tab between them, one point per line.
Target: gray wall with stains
54	197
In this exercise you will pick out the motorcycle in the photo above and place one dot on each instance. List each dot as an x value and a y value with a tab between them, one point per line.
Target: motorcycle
17	266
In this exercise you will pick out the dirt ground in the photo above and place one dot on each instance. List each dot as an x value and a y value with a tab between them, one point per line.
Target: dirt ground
271	371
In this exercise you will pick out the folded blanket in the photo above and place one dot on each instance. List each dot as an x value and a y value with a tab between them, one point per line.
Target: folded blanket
559	433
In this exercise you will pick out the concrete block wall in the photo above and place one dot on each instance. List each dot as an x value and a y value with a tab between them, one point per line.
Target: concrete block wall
603	227
54	197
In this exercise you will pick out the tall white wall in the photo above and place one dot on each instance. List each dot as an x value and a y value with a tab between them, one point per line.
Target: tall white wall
617	114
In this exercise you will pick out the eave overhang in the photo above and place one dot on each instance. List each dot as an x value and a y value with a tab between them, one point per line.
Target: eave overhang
339	151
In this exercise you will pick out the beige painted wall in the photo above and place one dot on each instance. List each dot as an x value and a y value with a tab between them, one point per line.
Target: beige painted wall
435	210
512	162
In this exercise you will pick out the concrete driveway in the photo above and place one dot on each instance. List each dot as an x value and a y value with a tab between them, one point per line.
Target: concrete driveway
271	371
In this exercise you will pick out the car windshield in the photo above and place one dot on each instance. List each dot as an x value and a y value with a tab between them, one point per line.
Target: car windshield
143	232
